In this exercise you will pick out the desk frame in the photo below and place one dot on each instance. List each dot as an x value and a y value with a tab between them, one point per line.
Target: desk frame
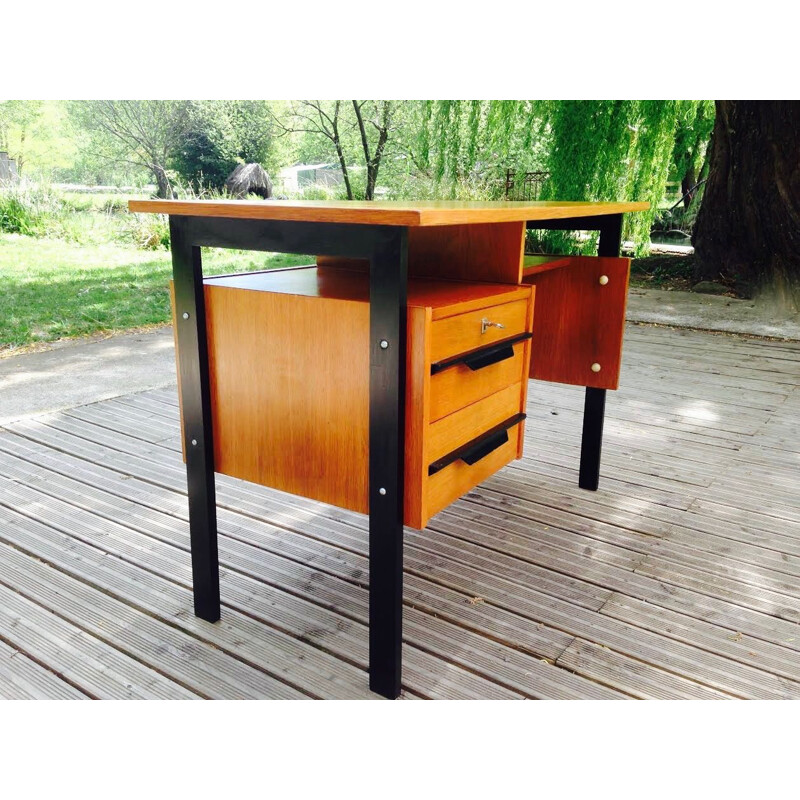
386	249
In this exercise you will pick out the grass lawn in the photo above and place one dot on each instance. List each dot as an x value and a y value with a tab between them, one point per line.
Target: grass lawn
51	289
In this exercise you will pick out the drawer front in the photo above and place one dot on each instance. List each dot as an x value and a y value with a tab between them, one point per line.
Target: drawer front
455	430
459	386
454	335
459	477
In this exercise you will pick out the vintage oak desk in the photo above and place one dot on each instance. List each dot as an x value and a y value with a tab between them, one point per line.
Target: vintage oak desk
391	376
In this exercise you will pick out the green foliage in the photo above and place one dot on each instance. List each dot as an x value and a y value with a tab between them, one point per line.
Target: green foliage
611	150
222	134
458	143
29	209
694	123
147	231
593	150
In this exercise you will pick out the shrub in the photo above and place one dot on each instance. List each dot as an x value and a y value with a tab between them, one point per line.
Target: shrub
148	231
29	209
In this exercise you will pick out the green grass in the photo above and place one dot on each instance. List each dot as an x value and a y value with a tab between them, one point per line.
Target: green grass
53	288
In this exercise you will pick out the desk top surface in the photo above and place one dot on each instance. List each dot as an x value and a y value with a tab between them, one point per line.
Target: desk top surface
402	213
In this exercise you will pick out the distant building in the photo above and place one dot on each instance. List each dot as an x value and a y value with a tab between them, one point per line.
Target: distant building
8	168
297	177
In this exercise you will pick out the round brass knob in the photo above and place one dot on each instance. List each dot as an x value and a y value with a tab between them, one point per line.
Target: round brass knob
595	367
603	280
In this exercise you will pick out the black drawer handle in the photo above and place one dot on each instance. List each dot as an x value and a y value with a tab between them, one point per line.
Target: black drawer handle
484	447
483	356
480	447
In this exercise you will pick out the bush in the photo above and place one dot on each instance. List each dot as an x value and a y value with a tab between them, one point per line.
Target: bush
29	209
148	231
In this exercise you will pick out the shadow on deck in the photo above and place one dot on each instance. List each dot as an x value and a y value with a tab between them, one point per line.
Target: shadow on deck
679	578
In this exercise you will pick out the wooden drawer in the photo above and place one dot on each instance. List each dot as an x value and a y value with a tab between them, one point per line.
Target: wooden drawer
457	478
453	335
468	423
460	385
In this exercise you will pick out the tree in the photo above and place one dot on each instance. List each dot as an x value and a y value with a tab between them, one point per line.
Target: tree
380	119
223	133
144	133
17	118
354	131
319	119
692	134
748	227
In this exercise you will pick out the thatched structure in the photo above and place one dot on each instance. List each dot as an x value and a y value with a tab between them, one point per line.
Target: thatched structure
249	179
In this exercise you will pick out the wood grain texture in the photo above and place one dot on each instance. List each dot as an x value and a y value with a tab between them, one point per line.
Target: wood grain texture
287	412
460	386
478	252
418	398
525	567
580	322
411	214
469	422
462	333
458	478
444	297
290	379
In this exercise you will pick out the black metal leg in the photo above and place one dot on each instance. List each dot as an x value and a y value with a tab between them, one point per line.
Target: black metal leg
388	282
387	250
594	408
196	404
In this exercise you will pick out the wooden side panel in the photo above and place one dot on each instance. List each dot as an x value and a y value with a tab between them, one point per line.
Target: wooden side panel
418	394
526	375
484	252
290	392
342	262
579	321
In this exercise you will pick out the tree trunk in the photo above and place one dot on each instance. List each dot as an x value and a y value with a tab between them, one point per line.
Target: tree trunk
748	227
162	181
687	184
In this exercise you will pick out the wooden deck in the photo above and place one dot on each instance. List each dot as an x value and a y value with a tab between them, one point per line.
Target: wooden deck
680	578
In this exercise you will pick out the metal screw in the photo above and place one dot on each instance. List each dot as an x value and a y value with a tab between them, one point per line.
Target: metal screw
186	315
382	491
603	280
595	367
384	344
194	442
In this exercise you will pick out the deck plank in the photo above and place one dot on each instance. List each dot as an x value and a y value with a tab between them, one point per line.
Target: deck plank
678	579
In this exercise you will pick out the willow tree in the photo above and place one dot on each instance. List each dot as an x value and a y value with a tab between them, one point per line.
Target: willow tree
593	150
612	150
748	228
461	141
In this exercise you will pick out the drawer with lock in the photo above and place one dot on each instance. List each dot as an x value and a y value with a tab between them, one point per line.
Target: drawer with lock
289	372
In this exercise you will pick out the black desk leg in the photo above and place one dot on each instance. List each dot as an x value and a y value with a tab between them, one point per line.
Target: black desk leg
388	285
594	407
190	320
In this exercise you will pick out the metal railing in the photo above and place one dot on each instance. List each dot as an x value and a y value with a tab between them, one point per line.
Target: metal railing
525	186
